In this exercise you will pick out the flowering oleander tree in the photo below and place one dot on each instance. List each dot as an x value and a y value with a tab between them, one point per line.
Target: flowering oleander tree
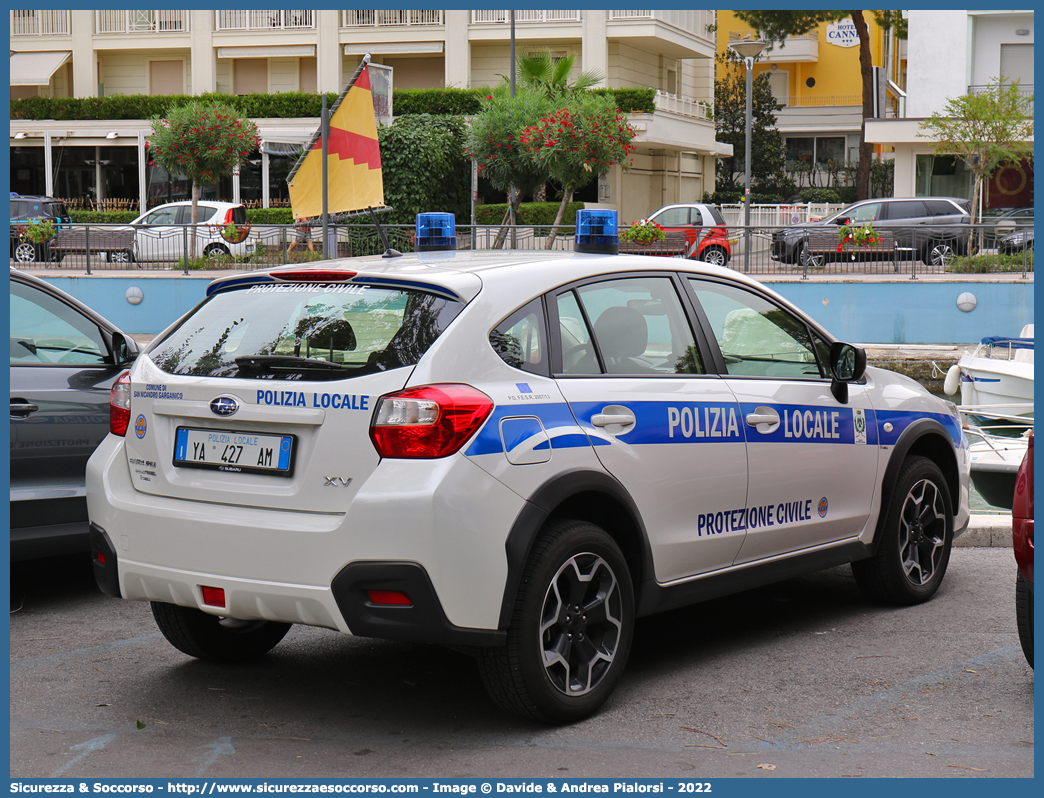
578	143
493	141
203	141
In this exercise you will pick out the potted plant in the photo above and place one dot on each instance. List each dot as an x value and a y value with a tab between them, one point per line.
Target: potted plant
643	232
38	231
234	234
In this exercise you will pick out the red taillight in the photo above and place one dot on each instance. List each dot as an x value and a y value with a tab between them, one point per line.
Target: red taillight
228	216
213	596
389	597
428	422
120	405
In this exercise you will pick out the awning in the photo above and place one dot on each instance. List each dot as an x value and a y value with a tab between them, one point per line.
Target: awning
36	69
287	146
269	51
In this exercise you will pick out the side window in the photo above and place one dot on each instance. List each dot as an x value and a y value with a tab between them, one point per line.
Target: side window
869	212
639	327
521	340
205	213
907	209
162	216
578	354
674	217
46	330
756	337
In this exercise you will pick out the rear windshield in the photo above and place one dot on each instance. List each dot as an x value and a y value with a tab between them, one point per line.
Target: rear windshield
305	331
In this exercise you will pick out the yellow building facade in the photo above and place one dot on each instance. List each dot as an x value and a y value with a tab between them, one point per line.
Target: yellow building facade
816	77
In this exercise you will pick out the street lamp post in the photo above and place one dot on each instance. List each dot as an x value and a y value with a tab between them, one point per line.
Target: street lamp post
749	52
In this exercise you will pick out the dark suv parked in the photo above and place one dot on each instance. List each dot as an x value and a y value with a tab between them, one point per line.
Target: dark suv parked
931	228
64	359
25	209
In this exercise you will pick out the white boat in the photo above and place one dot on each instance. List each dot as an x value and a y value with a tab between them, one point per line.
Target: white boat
997	374
996	452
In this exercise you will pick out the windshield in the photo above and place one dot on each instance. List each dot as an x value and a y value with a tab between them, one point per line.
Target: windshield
305	331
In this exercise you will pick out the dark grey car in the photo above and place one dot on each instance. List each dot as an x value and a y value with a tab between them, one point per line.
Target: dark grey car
930	228
64	359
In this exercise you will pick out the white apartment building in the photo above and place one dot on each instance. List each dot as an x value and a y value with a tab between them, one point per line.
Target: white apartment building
84	53
950	54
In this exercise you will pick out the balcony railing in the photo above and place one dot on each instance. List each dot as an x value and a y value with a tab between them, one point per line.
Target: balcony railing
141	21
823	100
39	23
698	23
526	15
697	109
390	18
263	20
1025	90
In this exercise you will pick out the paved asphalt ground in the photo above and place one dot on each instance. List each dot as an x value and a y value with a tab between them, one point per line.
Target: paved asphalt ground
805	676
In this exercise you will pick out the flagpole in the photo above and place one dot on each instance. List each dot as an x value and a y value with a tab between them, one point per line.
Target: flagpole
324	128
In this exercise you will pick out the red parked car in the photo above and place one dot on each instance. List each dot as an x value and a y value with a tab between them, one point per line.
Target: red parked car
703	225
1022	533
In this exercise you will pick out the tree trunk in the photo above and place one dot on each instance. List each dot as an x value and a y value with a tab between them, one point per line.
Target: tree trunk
866	68
502	234
567	197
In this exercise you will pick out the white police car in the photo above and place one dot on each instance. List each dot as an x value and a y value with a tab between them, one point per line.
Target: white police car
519	452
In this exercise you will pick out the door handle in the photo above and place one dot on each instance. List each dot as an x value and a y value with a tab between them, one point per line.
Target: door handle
605	419
21	408
764	418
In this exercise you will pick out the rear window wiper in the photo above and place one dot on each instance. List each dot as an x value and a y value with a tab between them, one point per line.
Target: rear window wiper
260	363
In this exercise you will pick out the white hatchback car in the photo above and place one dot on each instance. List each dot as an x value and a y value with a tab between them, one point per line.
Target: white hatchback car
514	452
164	233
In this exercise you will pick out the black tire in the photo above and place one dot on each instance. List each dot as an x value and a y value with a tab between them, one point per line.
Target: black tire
715	255
917	535
26	252
215	639
563	658
216	252
1024	615
120	256
939	253
806	261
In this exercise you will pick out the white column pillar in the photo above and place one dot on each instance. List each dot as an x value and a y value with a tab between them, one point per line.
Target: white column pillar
84	59
204	56
328	51
594	55
143	188
457	49
48	166
265	193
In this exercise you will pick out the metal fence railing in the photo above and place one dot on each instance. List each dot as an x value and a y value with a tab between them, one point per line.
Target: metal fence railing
760	249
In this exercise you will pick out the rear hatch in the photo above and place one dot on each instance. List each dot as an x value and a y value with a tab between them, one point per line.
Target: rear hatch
263	395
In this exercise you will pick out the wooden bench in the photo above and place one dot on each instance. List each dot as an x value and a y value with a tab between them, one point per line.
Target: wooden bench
673	246
822	245
118	243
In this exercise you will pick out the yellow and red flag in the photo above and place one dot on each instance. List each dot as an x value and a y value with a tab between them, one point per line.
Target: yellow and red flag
353	157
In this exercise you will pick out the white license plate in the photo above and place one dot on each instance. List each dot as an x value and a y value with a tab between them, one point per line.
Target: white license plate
226	450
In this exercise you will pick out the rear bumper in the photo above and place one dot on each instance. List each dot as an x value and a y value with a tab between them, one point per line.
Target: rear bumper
314	568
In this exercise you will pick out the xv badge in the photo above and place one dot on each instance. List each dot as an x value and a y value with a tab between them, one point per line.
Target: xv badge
337	482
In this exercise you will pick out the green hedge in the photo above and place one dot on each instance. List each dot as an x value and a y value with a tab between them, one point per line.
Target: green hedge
285	105
270	215
103	217
535	213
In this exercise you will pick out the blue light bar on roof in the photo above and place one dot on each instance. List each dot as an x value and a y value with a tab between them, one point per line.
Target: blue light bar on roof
435	231
596	231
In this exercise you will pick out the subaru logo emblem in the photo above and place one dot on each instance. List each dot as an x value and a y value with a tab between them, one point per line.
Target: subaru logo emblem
224	406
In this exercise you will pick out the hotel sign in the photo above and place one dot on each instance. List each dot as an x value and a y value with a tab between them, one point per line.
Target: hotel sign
842	33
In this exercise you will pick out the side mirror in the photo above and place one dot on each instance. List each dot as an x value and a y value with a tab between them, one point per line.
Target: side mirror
124	348
840	220
847	364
